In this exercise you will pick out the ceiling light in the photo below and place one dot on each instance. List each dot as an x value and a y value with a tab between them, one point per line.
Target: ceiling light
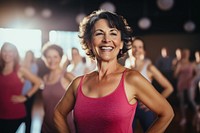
29	11
80	17
189	26
108	6
46	13
144	23
165	4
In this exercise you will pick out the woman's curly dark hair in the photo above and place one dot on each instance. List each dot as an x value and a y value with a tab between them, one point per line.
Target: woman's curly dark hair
114	20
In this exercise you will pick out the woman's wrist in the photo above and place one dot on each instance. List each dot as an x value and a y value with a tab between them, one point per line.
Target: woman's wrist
27	97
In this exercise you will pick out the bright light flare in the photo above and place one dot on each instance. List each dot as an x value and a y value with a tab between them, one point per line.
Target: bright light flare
24	39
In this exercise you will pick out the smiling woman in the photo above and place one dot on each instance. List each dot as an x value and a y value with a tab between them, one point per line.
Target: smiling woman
12	112
55	82
105	100
106	41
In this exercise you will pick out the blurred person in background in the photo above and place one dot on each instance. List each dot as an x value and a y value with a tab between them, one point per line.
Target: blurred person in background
42	68
55	85
90	65
142	64
77	65
29	62
176	59
195	84
196	79
184	72
12	77
164	64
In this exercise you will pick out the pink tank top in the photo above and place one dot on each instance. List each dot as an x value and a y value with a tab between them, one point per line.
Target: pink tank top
108	114
51	94
10	85
185	77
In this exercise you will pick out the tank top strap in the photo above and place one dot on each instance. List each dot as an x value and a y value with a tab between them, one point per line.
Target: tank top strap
80	84
122	79
146	64
123	74
62	75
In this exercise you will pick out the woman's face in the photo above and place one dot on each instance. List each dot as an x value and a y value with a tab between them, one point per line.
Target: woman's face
8	54
138	49
106	42
75	54
197	56
185	54
53	59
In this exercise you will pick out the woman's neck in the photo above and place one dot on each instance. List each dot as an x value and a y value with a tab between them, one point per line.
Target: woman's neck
106	68
55	71
139	61
9	67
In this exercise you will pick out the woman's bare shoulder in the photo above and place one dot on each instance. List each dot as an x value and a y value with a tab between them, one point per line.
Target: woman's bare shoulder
132	74
76	80
133	81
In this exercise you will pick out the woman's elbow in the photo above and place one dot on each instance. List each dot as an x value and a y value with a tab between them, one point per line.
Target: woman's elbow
56	115
169	113
168	90
171	89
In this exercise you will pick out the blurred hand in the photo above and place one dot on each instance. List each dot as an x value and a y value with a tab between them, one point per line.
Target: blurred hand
18	99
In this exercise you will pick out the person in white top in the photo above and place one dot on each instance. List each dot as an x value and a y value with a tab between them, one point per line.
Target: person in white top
150	72
78	65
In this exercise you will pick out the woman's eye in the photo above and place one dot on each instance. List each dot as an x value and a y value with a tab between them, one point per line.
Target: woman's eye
98	34
114	34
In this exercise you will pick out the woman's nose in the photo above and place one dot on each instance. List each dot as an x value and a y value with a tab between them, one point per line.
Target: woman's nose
106	38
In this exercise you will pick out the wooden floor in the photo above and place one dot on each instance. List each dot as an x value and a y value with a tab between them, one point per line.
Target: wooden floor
174	127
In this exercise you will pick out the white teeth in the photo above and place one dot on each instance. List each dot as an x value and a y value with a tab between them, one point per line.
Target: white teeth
106	48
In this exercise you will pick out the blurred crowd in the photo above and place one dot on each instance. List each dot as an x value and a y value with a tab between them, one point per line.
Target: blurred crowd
50	74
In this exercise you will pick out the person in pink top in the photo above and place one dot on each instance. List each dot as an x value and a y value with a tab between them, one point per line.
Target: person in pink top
105	100
184	73
55	83
12	77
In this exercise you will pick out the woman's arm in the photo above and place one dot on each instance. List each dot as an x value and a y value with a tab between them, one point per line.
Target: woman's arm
162	80
177	69
65	106
35	80
144	91
69	76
